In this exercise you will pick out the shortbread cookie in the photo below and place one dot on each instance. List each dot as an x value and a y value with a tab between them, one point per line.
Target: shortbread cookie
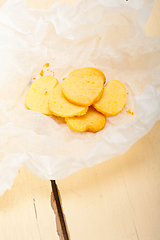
39	93
60	106
113	99
92	121
87	71
84	86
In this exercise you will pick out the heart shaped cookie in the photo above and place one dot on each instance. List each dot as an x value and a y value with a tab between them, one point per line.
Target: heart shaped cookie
92	121
113	99
84	86
60	106
38	95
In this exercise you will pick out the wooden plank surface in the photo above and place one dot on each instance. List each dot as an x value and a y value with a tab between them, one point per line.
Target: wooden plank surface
153	24
118	199
25	210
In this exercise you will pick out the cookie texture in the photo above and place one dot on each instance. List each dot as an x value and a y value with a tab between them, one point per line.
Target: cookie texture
84	86
113	99
92	121
38	95
87	71
60	106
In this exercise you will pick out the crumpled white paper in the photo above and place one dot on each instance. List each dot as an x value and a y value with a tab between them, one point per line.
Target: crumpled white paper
106	34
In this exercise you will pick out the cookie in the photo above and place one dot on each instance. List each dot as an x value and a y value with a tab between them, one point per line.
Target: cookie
60	106
38	95
113	99
92	121
84	86
87	71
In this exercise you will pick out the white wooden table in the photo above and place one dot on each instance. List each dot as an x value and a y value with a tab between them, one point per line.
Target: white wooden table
118	199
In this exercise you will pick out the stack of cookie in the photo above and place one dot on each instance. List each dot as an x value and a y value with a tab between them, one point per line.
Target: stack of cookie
82	98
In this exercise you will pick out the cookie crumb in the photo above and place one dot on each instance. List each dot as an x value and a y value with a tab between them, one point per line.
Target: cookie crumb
47	65
129	112
41	73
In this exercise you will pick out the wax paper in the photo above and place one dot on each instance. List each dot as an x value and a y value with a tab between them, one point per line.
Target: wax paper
106	34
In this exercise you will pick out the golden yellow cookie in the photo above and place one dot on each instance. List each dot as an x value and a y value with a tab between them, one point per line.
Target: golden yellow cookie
60	106
113	99
38	94
84	86
87	71
92	121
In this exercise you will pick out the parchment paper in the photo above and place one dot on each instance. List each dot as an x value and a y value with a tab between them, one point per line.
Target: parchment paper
106	34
